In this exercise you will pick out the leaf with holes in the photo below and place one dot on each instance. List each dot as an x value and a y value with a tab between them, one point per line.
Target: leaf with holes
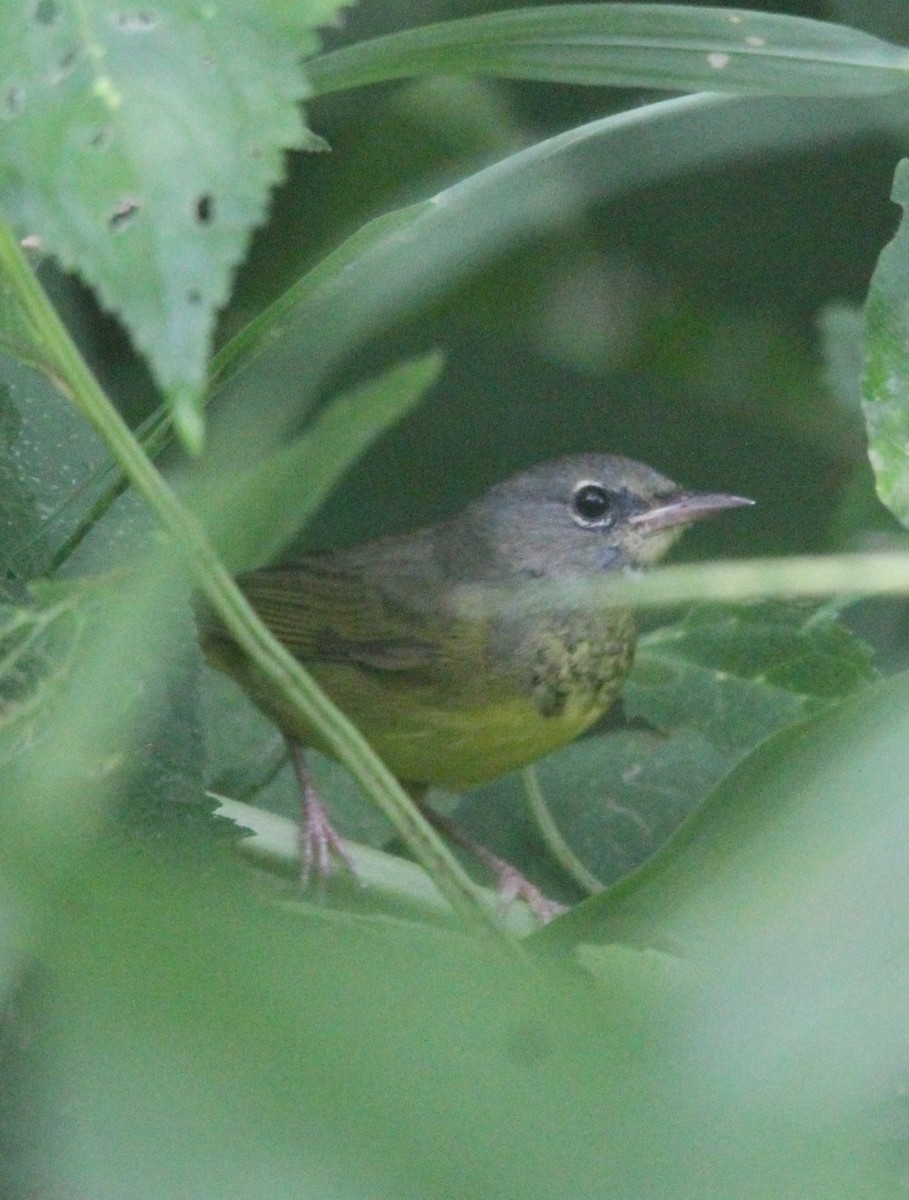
139	142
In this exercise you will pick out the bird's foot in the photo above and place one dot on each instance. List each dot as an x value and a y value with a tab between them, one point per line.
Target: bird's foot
321	846
512	885
320	843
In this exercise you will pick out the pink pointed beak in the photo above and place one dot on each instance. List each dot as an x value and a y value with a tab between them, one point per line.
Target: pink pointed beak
684	508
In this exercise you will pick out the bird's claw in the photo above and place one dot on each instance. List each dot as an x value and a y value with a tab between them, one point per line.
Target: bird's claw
321	845
511	885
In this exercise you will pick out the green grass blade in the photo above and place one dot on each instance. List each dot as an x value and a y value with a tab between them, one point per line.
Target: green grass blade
632	45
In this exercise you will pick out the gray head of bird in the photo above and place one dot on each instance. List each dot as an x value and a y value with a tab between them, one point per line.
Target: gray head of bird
580	515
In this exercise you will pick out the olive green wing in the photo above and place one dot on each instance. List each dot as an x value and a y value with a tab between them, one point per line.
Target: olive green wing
326	612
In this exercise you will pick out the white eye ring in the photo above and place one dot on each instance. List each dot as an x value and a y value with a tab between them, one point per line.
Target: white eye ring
591	505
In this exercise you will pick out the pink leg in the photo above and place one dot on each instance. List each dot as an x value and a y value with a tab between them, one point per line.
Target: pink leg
510	883
320	842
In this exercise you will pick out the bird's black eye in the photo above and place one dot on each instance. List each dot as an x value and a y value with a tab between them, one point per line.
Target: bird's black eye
591	504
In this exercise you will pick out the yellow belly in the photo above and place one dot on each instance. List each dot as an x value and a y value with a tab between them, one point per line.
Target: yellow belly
460	748
474	723
426	739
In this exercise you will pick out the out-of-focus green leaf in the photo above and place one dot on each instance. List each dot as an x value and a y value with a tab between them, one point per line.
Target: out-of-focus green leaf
703	694
47	643
193	1050
38	643
886	385
633	45
789	892
90	674
276	497
139	144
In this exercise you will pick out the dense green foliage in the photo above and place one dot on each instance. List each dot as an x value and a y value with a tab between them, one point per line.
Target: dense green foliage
221	343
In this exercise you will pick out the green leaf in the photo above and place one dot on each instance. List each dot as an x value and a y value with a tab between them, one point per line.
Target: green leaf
702	696
38	643
341	1057
49	639
794	655
408	255
788	893
50	456
886	383
91	675
276	498
140	143
633	45
842	327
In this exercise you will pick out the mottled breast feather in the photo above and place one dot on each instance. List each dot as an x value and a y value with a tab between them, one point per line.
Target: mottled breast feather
579	663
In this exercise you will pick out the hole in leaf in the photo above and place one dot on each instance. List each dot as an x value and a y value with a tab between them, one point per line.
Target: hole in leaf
64	66
13	101
205	209
124	214
101	138
140	21
47	12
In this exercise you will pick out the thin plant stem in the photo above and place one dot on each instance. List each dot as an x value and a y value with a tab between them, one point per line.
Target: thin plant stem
552	836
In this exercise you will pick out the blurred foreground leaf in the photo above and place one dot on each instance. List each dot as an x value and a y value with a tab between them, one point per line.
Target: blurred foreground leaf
97	704
198	1049
788	891
39	642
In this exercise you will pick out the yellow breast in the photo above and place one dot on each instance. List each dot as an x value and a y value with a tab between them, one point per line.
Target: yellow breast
457	748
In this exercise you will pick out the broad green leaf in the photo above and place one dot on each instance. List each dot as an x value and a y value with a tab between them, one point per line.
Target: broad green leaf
796	656
886	383
789	892
276	498
703	694
682	48
198	1049
140	143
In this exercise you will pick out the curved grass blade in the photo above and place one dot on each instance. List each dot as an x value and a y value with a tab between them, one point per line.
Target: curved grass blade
670	46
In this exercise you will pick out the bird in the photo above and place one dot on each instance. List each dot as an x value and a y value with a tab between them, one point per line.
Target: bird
448	691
